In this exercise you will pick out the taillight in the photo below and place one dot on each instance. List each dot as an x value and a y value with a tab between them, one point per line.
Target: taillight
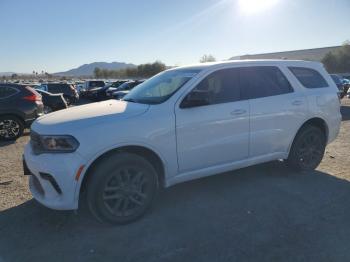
34	97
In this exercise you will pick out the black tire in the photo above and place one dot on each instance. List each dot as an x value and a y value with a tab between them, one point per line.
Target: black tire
121	188
307	149
11	128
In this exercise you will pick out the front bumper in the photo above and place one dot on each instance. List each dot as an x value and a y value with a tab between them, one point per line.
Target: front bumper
56	191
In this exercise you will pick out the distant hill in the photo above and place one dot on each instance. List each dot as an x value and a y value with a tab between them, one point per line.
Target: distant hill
88	69
315	54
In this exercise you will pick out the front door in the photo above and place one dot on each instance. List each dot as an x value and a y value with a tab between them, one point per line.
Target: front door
217	133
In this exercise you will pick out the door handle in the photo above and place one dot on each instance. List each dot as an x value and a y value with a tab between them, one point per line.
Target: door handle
297	103
238	112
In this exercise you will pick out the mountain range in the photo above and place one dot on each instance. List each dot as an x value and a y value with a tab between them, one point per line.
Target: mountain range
88	69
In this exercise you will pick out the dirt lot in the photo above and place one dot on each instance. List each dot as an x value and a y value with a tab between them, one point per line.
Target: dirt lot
261	213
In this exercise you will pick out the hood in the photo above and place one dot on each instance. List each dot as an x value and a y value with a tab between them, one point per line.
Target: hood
75	118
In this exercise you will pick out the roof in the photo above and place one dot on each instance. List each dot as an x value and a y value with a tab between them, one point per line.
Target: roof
265	62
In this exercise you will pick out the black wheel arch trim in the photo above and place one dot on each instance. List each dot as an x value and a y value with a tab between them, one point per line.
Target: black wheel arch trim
143	151
314	121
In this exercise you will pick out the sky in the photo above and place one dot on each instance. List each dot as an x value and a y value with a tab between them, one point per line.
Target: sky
59	35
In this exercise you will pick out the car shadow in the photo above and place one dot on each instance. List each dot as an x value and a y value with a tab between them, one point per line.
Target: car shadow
260	213
6	143
345	112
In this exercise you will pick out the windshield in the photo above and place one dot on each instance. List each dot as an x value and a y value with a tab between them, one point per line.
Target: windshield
160	87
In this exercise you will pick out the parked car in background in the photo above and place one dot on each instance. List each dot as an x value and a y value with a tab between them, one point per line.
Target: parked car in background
92	89
206	119
125	88
19	107
339	82
114	86
70	94
346	85
52	102
79	86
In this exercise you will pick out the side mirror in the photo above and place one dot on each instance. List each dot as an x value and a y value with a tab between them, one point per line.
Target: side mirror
196	98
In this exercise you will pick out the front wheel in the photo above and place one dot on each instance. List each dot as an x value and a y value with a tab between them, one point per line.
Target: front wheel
121	188
308	149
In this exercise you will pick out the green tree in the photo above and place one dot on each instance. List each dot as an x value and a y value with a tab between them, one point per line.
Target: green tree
97	72
338	61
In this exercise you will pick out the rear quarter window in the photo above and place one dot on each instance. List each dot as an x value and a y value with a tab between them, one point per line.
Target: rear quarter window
308	77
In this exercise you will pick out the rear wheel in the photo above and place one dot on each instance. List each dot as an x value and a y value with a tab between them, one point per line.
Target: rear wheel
308	149
121	188
11	128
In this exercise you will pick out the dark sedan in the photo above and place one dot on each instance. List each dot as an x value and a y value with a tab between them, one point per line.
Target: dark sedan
125	88
339	82
19	107
114	87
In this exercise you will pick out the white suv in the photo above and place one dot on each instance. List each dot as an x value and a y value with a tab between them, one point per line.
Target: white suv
184	123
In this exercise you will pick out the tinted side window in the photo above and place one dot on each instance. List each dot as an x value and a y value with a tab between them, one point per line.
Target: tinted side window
52	88
263	81
309	78
58	88
93	84
6	91
223	86
65	88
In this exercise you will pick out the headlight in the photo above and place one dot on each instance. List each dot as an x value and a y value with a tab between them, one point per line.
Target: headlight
53	144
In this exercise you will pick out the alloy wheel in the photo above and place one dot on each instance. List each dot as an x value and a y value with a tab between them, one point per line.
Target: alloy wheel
310	150
125	192
9	128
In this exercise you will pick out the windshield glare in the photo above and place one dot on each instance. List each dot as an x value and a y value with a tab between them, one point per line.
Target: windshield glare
160	87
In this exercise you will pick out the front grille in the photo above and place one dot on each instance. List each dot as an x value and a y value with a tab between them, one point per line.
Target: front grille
35	142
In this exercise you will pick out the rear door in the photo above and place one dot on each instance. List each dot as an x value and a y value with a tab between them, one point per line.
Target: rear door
276	109
217	133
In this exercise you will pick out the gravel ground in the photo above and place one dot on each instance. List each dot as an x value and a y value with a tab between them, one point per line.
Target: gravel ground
260	213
